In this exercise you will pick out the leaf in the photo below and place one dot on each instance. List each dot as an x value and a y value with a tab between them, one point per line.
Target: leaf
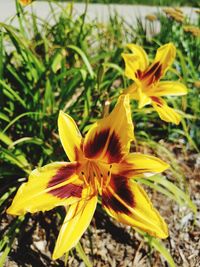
12	91
159	246
161	184
84	58
82	255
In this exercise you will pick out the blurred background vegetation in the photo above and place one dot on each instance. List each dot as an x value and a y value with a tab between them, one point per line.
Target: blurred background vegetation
76	66
144	2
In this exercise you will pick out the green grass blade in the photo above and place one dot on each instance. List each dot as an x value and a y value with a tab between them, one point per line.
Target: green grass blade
84	58
19	117
82	255
158	245
164	186
13	92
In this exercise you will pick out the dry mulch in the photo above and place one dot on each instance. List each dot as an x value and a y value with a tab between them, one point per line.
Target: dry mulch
109	243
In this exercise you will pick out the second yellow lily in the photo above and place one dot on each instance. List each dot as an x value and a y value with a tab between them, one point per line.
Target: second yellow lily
148	88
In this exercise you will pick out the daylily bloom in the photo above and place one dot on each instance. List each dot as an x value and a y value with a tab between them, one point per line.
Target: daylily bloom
148	88
25	2
100	165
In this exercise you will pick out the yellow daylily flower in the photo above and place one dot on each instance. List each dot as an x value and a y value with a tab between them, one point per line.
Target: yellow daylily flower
148	88
100	165
25	2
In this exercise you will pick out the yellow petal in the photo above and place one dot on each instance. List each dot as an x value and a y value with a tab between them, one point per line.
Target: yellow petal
169	88
52	185
132	90
109	139
139	165
76	222
135	92
139	51
128	203
70	136
143	98
133	66
135	63
165	56
164	111
25	2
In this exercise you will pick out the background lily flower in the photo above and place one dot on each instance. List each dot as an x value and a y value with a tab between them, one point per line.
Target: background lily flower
25	2
148	88
100	165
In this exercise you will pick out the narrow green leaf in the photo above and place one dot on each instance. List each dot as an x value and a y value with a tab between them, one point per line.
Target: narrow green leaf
82	255
159	246
5	139
13	92
163	251
19	117
84	58
23	140
164	186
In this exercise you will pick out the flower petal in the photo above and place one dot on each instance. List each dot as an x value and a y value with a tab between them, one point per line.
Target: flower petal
70	136
164	111
128	203
136	62
143	98
165	56
76	222
169	88
132	67
132	90
109	138
136	92
139	165
52	185
139	51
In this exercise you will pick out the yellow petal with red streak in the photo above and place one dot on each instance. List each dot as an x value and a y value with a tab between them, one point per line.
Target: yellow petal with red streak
52	185
165	56
76	222
164	111
129	204
109	139
139	165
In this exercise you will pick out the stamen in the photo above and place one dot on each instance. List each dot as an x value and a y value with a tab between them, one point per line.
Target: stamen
101	183
84	178
109	177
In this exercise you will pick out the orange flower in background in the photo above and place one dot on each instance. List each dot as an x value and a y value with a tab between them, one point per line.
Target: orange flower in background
148	88
25	2
100	165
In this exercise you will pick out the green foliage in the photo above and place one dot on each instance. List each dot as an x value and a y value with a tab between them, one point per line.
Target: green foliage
76	66
145	2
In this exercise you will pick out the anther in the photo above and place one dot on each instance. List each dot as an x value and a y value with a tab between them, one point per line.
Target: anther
111	166
101	174
82	173
94	174
108	173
